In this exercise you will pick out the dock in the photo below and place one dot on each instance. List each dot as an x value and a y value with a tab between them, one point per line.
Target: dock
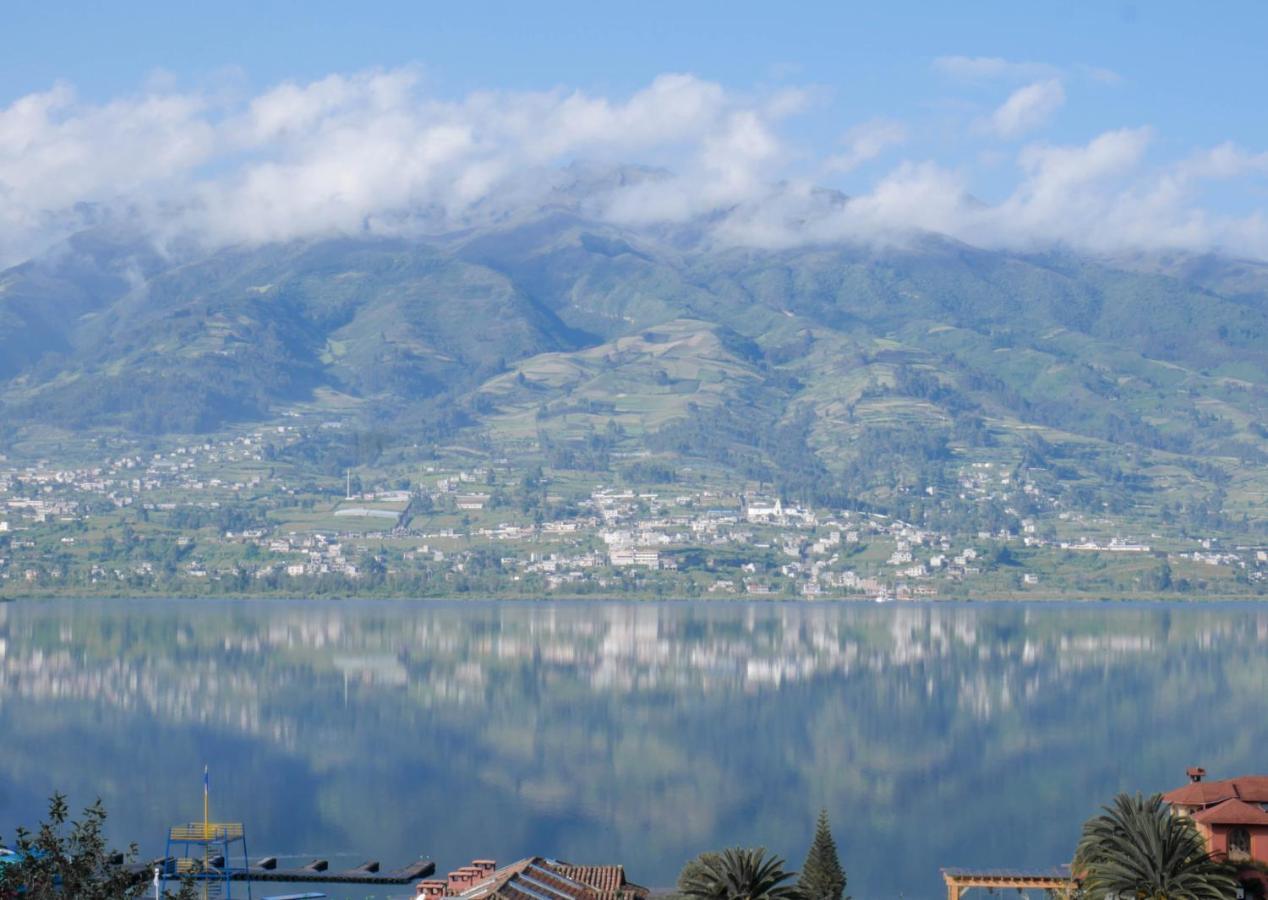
316	872
217	852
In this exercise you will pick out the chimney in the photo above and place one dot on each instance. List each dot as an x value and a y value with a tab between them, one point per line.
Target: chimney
1195	773
430	890
459	881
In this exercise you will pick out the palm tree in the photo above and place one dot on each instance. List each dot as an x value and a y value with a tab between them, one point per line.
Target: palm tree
1137	850
737	874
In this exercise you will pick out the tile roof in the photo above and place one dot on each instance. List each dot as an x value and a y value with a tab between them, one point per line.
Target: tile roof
1248	788
1232	812
1252	788
1200	793
529	879
608	881
604	879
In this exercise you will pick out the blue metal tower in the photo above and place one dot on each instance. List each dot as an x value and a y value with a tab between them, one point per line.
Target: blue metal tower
204	852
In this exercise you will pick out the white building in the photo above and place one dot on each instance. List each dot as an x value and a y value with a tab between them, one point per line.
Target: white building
760	511
632	556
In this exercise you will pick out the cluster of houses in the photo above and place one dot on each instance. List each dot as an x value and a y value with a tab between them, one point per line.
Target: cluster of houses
323	555
615	535
121	480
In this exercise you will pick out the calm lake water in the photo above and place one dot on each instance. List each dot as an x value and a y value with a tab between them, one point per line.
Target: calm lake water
935	735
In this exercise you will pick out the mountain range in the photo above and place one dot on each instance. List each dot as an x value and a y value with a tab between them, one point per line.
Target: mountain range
841	371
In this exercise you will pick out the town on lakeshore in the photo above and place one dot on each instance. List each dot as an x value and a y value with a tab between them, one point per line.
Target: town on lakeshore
238	515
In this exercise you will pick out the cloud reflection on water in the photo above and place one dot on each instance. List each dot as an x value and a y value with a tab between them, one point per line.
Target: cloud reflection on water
972	734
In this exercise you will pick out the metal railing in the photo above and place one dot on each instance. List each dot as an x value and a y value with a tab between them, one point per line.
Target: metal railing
211	831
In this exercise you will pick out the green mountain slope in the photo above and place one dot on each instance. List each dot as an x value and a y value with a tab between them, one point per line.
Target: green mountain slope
837	373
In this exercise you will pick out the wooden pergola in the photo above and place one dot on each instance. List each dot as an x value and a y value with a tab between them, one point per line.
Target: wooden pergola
1056	881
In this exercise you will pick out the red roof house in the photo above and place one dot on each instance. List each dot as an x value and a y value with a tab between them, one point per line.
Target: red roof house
1231	814
536	878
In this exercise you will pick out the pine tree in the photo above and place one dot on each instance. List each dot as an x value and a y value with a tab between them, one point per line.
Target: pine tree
822	877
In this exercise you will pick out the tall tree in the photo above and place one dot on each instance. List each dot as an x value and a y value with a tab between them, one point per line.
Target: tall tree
737	874
1136	848
822	877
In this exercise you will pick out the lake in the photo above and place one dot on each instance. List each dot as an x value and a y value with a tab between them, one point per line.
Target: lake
934	734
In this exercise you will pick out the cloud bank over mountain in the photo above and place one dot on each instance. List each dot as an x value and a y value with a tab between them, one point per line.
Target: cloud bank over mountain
377	152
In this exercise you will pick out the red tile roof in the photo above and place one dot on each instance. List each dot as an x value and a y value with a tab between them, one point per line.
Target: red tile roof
1200	793
601	878
529	879
1252	788
608	881
538	878
1232	812
1248	788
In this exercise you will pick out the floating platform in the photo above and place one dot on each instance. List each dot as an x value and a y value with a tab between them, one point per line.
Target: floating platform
216	852
316	872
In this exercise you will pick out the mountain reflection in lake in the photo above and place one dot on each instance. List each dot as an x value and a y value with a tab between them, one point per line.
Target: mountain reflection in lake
935	735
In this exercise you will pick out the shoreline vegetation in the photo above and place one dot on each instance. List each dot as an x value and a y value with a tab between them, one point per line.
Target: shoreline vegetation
484	597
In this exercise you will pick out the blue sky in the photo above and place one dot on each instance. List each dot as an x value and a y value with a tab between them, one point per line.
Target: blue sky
917	92
1197	70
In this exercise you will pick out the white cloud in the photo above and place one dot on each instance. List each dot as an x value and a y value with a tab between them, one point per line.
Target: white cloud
1027	108
1099	74
1099	197
375	152
363	153
865	142
57	154
982	69
923	195
1071	194
986	68
1226	160
356	155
